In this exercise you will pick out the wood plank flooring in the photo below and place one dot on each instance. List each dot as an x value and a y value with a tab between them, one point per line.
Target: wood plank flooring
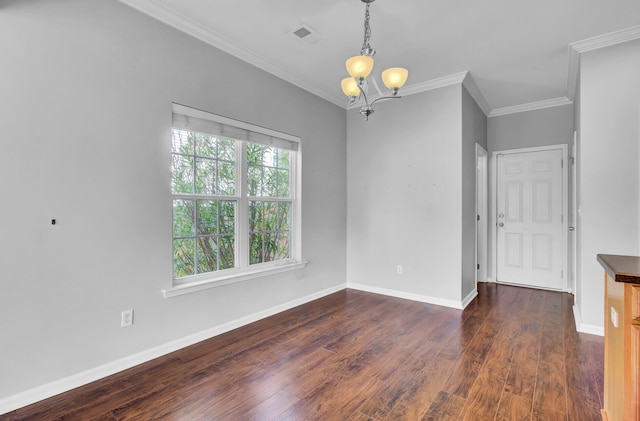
513	354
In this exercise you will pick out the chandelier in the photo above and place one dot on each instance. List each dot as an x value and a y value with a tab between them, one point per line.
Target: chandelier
359	69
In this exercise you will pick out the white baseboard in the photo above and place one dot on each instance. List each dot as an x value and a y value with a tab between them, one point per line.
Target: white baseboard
63	385
467	300
408	296
584	328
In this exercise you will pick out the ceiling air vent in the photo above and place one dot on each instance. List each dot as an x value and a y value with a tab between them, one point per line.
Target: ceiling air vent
306	34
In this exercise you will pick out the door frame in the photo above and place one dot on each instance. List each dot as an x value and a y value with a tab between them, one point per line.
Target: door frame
482	212
565	206
573	223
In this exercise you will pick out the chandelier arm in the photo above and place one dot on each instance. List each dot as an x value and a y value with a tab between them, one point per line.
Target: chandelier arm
364	95
384	97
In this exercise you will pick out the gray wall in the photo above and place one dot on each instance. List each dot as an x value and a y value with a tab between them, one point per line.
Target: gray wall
544	127
404	190
85	107
474	130
609	135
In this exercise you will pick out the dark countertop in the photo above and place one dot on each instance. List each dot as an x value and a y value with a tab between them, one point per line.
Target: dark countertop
621	268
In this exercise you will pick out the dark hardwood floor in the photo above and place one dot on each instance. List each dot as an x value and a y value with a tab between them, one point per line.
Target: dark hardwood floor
513	354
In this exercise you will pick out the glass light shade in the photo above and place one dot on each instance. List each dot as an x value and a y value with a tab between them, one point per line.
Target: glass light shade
359	66
350	86
395	77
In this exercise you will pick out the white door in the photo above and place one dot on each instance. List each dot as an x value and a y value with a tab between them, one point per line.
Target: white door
529	218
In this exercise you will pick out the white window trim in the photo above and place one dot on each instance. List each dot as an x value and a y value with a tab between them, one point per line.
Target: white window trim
229	276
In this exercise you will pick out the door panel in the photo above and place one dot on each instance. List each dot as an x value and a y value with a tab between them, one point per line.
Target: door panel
529	218
542	247
542	201
514	201
513	250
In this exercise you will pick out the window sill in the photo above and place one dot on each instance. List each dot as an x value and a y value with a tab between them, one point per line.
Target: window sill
181	289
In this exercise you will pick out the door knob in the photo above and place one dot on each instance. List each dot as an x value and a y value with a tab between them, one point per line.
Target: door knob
571	228
501	224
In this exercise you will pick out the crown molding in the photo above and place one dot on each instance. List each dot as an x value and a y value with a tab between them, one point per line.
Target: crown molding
476	94
606	40
574	69
547	103
594	43
429	85
184	24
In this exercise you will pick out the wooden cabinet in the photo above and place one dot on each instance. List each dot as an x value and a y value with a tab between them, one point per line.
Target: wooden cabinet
621	337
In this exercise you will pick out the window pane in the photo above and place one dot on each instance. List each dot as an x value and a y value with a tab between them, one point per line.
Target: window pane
268	171
283	184
270	218
215	252
227	218
207	214
226	250
254	182
182	174
207	254
182	142
268	156
206	145
255	241
282	245
254	153
283	158
226	149
255	216
269	246
205	176
283	215
183	218
226	183
269	182
183	257
269	231
275	246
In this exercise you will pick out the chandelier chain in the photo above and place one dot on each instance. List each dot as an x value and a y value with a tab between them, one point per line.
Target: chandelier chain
366	48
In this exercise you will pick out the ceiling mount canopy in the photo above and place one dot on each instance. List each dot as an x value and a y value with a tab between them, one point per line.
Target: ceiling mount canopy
360	67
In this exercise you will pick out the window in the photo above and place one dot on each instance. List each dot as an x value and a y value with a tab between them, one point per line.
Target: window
269	204
236	208
203	183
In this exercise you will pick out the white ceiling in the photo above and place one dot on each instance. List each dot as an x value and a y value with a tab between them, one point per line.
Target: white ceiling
517	52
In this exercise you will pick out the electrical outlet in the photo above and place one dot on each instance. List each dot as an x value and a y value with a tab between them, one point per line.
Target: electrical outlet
399	270
127	318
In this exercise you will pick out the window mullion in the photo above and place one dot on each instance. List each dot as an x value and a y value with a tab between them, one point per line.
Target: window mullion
242	212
